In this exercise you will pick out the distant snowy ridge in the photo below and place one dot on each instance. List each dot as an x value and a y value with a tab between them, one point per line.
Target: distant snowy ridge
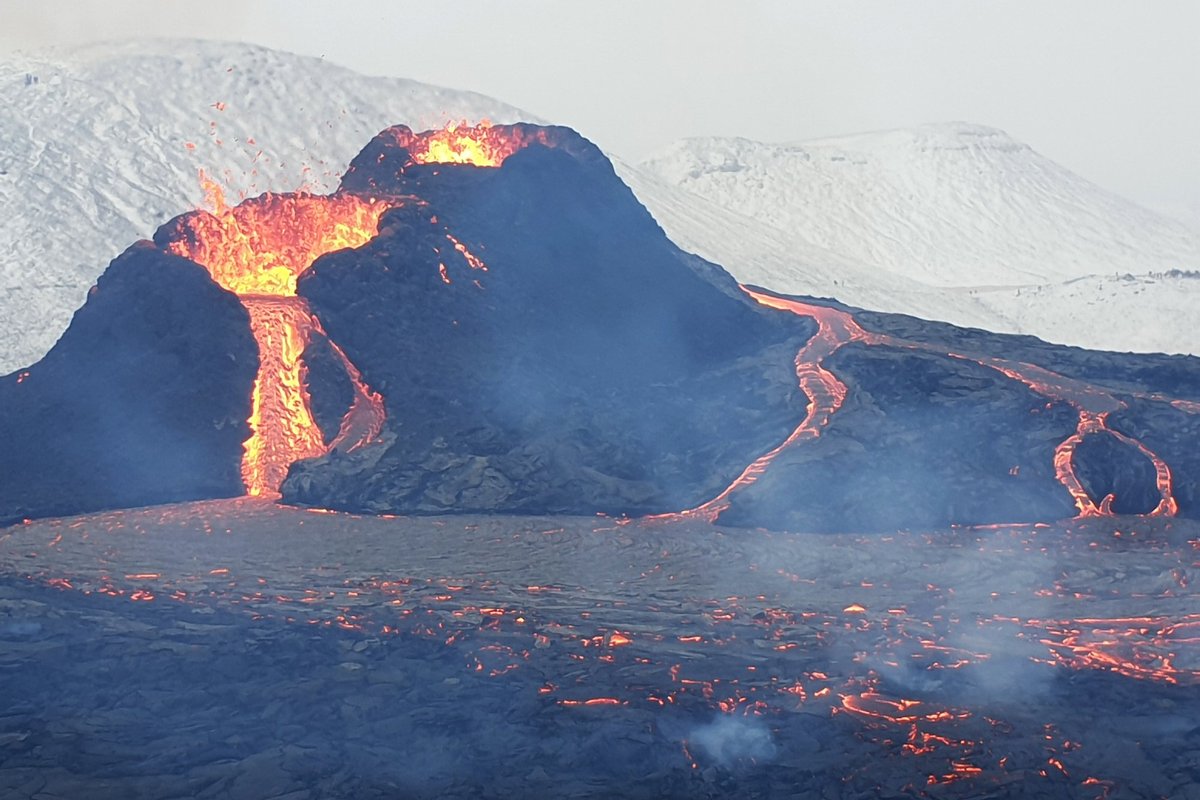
102	144
954	222
949	205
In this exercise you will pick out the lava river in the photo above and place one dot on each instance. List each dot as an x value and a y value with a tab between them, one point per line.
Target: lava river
826	394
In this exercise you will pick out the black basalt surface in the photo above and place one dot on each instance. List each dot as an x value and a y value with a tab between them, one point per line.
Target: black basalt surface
543	348
143	400
1176	375
1105	465
592	366
921	441
1174	436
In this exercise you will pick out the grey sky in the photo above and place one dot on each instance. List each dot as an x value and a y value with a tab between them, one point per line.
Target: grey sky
1107	88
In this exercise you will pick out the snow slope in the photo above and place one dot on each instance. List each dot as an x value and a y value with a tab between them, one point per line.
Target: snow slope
954	222
103	144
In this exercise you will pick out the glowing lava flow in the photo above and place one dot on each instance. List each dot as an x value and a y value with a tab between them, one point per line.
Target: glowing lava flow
258	249
281	424
482	145
1136	647
1090	422
1093	405
826	394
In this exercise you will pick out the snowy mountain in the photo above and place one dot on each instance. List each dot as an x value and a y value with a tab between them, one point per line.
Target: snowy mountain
950	222
103	144
954	222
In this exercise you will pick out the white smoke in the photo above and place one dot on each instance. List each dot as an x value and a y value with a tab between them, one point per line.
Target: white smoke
732	741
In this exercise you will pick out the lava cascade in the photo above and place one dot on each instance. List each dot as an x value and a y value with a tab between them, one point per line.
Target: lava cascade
282	426
257	249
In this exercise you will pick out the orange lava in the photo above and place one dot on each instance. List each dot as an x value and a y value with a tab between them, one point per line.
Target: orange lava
281	424
1094	405
1136	647
482	145
900	712
257	249
825	392
1089	423
262	245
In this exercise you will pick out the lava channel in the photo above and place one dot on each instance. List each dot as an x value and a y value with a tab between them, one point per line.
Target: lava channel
824	391
826	394
257	250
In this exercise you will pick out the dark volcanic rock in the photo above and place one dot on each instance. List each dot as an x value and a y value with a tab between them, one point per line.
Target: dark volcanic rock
592	366
1105	465
542	347
1174	375
922	441
143	400
329	388
1173	436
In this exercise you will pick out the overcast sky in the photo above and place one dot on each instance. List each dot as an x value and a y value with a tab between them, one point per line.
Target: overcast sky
1107	88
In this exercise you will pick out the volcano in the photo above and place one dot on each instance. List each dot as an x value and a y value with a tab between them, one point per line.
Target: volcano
484	319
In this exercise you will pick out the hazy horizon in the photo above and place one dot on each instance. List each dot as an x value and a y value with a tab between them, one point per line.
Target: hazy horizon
1104	88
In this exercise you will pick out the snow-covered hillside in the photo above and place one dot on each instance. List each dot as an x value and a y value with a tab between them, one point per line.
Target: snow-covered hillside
101	145
954	222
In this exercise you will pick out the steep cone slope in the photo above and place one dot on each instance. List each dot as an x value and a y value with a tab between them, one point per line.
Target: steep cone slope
540	344
556	353
143	400
102	142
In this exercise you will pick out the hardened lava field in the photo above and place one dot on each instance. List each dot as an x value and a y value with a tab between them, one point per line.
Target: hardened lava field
241	649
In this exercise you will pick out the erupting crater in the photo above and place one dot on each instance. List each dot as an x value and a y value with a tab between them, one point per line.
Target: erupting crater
482	145
257	249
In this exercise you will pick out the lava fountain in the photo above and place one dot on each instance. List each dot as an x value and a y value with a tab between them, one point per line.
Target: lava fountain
260	247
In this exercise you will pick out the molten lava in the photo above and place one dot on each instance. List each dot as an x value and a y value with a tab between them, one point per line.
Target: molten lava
281	424
826	394
482	145
257	249
261	245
